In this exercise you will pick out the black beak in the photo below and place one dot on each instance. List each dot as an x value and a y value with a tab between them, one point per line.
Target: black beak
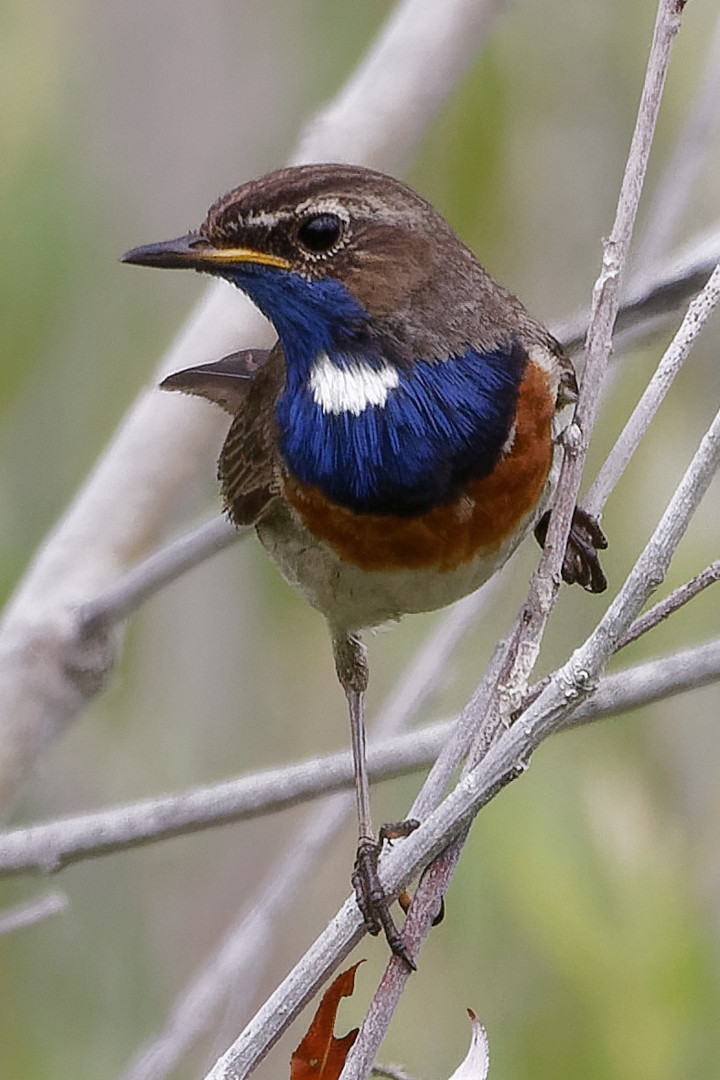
194	252
179	254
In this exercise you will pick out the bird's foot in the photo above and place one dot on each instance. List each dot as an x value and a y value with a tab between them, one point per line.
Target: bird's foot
371	899
581	564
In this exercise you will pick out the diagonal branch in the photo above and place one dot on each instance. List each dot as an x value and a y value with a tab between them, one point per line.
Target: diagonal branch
677	352
672	603
31	912
675	189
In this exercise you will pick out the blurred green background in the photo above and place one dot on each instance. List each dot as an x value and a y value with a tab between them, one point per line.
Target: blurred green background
583	923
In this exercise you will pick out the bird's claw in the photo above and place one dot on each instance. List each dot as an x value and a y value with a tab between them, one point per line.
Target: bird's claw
371	899
396	830
581	564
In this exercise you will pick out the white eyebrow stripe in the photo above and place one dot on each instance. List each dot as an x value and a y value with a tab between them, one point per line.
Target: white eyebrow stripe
352	388
267	218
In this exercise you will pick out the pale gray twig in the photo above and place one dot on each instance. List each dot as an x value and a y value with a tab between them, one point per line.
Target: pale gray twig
31	912
672	603
673	192
51	847
649	305
700	309
575	679
660	611
154	573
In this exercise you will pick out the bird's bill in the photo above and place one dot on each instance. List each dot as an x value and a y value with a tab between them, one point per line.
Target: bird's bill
193	252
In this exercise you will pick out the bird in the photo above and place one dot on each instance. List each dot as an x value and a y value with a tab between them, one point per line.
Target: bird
403	434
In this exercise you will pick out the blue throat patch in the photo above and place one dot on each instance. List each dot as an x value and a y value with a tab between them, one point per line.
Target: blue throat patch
444	423
309	316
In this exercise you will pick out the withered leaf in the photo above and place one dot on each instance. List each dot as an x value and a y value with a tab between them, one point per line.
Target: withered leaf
320	1056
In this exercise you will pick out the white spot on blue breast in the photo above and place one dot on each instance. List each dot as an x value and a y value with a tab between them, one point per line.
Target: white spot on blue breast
352	388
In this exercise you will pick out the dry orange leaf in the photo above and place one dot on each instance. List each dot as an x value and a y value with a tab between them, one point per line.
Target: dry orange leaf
320	1056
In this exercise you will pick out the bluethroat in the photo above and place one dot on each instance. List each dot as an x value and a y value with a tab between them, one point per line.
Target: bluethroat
400	439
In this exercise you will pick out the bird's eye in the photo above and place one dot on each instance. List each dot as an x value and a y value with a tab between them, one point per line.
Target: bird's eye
320	232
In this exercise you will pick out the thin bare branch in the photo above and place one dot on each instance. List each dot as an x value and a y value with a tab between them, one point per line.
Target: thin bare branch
154	573
674	357
53	846
644	623
648	306
31	912
575	679
606	295
674	191
677	599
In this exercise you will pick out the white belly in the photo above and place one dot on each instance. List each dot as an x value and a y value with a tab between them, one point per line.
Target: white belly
352	599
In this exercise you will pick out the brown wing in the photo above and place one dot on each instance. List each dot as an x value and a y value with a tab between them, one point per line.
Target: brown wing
246	384
248	468
225	382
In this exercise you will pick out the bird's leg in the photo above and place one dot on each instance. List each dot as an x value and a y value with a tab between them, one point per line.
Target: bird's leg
351	666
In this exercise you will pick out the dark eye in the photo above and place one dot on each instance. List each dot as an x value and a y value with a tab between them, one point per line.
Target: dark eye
320	232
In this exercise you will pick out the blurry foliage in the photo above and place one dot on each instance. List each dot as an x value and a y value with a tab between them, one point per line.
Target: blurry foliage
583	923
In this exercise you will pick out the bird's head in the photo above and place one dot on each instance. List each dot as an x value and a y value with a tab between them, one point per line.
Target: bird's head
333	253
